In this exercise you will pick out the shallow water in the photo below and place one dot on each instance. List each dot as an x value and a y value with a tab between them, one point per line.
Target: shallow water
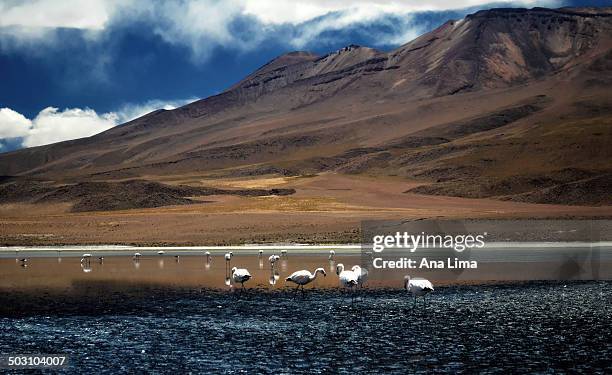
529	327
192	269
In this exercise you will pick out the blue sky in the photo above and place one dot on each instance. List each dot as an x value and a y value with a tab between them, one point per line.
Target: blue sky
74	68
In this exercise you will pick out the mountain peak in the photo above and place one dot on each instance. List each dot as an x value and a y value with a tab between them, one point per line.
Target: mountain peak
278	63
283	104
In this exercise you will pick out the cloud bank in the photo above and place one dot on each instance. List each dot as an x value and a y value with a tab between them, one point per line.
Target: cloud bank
202	25
54	125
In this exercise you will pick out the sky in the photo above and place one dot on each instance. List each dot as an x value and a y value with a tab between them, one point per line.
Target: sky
71	69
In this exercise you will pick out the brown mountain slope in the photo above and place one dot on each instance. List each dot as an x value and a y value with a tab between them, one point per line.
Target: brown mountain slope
480	107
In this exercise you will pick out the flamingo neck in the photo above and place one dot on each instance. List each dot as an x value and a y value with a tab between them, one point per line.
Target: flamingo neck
315	274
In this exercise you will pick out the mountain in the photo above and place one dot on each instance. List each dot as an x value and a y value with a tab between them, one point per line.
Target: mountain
512	104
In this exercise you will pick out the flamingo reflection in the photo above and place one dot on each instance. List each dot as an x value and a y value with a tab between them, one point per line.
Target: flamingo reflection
274	276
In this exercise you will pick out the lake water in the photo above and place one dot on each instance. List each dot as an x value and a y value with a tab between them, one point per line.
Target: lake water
162	315
532	327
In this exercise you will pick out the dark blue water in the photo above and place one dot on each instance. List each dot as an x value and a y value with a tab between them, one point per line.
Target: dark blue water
533	327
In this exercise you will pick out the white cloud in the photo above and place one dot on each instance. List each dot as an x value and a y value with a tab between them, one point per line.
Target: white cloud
53	125
203	25
95	14
13	124
300	11
91	14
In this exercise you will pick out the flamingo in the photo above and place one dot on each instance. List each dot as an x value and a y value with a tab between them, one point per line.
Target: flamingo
228	264
418	287
240	275
362	275
85	258
304	277
207	256
332	254
273	259
348	279
85	262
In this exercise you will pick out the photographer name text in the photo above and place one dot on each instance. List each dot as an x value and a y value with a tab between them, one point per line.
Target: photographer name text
424	263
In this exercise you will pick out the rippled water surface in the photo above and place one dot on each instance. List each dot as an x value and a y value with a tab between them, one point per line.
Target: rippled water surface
529	327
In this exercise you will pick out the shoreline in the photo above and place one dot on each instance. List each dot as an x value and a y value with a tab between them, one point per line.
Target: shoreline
300	249
90	299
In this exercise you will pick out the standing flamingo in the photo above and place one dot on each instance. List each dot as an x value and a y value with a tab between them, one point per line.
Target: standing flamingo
273	259
304	277
362	275
240	275
85	258
332	254
228	264
418	287
348	279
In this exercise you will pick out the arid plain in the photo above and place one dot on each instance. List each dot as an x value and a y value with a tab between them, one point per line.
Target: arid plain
325	208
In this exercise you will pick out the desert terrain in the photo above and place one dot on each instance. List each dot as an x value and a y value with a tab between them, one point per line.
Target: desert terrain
327	208
503	114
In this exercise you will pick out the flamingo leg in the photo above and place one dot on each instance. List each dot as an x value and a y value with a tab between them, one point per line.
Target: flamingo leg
295	291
